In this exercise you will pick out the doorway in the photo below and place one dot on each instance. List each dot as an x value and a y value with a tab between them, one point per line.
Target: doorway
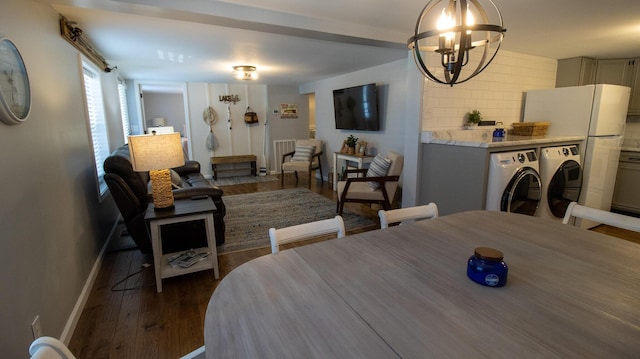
165	105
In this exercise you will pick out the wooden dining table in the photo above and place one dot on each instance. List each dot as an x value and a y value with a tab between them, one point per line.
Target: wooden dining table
403	292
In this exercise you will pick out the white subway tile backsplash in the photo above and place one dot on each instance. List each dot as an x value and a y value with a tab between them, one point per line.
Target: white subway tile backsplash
497	92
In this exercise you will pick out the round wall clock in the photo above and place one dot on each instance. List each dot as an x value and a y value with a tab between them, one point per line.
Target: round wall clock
15	93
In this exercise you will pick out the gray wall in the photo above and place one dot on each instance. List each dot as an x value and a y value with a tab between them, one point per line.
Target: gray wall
51	223
286	128
391	82
399	108
167	105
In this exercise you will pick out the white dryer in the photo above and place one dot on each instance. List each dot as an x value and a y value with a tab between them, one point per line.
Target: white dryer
514	182
561	174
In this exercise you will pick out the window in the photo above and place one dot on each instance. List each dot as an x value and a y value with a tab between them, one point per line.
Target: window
124	112
97	122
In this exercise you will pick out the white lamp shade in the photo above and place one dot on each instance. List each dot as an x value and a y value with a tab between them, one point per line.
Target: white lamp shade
156	152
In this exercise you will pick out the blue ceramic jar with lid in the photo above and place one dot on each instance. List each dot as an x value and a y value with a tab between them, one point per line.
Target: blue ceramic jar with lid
498	132
486	267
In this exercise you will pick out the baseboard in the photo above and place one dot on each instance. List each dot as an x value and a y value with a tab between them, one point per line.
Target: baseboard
74	317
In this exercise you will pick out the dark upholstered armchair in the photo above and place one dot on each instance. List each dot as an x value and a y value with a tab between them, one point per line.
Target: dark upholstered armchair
130	192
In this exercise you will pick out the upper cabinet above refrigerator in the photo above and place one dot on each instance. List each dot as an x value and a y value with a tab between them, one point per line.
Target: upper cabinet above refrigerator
578	71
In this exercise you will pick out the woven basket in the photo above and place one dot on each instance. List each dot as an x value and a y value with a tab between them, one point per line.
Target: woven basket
530	128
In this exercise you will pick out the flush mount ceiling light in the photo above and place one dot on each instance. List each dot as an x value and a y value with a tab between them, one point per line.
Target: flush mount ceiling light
460	40
245	72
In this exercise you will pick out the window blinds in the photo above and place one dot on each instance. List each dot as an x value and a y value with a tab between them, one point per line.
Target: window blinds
97	122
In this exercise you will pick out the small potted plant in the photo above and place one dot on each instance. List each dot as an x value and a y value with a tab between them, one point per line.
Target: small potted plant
473	118
351	144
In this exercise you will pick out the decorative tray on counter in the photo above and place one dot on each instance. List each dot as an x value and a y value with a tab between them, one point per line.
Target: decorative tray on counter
530	128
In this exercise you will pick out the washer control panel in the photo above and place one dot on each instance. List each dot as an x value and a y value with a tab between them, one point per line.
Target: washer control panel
560	152
515	158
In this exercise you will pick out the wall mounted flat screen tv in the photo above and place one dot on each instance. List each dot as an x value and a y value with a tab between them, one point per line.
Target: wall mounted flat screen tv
356	108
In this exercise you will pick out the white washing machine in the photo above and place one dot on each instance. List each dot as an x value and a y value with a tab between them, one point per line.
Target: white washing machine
561	174
514	182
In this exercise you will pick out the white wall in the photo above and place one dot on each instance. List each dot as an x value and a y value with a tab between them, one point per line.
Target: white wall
51	223
233	135
497	92
286	128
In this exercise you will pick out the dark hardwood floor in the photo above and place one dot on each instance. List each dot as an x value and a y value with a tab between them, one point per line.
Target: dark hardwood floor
139	323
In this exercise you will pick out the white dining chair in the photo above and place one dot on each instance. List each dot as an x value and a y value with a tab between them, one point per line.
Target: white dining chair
198	353
612	219
49	348
405	214
305	231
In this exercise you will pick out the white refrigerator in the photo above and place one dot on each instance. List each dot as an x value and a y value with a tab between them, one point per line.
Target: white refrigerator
596	111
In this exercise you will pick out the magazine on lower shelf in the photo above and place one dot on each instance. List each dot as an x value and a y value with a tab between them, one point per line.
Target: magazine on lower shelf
188	258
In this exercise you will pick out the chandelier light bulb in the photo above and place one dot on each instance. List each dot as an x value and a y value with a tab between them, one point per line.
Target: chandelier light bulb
470	19
445	22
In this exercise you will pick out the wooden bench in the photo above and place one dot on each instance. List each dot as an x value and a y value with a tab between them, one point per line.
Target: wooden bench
219	160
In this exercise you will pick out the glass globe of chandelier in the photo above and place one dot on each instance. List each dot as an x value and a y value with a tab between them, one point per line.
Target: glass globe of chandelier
459	41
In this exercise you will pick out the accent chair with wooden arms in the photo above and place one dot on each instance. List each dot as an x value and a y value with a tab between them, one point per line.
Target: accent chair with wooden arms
306	158
379	184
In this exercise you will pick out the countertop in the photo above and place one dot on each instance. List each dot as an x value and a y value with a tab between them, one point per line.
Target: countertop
483	138
631	145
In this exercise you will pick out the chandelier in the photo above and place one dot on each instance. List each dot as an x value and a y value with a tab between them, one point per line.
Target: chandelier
245	72
462	44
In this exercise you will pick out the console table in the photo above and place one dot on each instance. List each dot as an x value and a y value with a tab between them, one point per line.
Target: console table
341	156
185	210
219	160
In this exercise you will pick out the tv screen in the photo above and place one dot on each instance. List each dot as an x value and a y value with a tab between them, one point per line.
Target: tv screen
356	108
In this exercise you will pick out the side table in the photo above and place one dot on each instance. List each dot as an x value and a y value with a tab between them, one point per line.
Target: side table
341	156
185	210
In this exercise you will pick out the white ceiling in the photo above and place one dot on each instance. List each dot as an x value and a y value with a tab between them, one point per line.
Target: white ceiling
299	41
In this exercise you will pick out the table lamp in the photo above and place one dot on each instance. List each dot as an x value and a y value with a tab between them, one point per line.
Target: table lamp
156	154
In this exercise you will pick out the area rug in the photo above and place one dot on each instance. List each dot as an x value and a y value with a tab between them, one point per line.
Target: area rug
228	181
249	216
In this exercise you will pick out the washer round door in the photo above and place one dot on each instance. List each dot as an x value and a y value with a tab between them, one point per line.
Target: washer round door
523	193
564	187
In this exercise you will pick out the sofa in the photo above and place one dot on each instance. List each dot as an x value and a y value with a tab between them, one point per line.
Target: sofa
131	191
